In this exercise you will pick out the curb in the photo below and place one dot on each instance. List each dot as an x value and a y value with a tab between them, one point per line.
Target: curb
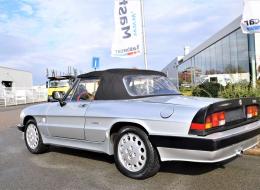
253	151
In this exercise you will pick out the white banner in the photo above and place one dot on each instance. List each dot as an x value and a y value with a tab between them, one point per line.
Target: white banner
127	40
251	17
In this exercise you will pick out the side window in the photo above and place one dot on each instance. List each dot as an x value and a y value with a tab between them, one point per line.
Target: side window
86	90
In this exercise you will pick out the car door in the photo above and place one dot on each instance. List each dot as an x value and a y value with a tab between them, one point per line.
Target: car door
68	121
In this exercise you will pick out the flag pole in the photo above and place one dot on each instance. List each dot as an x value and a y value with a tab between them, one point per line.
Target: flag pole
143	35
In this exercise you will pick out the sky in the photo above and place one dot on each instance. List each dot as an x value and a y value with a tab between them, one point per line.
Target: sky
55	34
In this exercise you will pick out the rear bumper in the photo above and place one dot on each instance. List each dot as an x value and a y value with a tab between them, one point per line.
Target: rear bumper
170	154
201	143
213	148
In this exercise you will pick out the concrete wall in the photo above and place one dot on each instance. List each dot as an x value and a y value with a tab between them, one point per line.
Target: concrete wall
18	77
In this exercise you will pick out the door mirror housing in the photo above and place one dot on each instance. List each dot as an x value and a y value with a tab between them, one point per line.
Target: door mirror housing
58	96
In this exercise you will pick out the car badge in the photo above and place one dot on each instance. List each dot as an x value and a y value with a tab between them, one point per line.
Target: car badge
240	102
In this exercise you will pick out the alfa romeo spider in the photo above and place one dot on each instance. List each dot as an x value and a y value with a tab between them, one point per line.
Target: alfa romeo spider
142	119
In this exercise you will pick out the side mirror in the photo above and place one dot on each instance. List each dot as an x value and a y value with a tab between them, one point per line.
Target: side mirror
58	97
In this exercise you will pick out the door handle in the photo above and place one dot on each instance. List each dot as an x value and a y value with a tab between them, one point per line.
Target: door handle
83	105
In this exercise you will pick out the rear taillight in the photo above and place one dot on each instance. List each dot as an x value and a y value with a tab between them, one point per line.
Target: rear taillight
251	111
212	121
215	120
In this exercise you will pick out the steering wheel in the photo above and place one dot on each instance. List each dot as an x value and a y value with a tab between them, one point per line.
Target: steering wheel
84	96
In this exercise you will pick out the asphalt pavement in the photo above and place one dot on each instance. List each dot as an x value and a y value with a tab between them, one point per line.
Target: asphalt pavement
64	168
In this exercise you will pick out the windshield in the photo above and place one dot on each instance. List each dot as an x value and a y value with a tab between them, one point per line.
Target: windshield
149	85
58	83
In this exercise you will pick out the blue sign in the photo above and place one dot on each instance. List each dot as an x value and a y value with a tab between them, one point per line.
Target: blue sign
95	63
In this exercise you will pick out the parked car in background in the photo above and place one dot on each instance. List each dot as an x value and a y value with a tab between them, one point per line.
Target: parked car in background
186	85
142	119
224	80
60	84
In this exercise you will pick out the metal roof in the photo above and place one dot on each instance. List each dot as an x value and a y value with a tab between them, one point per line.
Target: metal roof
61	77
15	69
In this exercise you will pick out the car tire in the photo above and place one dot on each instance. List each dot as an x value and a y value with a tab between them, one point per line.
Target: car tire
134	154
33	139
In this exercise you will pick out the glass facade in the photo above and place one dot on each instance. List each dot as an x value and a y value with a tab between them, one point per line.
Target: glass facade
257	53
227	60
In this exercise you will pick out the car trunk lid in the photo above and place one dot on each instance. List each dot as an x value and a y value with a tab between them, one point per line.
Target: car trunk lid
190	101
235	113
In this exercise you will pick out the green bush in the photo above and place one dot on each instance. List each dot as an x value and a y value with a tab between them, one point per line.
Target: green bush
207	89
239	90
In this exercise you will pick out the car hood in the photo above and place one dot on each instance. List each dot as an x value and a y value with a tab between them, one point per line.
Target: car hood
190	101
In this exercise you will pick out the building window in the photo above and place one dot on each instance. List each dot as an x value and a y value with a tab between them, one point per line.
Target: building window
226	60
242	52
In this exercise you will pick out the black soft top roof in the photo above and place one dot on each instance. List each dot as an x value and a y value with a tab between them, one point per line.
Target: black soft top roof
111	86
120	72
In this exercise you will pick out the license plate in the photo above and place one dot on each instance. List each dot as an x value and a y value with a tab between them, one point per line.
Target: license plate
235	115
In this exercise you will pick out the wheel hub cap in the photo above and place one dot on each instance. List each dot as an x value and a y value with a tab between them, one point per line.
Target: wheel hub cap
32	136
132	152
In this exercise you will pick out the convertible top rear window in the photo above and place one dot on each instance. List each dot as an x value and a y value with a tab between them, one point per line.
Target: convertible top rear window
149	85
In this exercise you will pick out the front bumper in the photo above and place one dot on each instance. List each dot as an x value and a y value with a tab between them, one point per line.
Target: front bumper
215	148
50	98
20	127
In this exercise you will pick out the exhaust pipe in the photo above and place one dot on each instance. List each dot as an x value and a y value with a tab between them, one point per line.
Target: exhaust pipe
239	152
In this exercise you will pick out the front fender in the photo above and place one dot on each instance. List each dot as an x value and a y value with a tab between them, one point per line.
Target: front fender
35	111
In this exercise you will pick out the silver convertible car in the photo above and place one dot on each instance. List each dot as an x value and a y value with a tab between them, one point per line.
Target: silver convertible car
140	117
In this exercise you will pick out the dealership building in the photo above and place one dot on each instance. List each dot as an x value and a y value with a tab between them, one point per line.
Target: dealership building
15	78
227	56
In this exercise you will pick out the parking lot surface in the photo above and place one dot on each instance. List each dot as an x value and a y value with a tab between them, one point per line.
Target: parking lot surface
64	168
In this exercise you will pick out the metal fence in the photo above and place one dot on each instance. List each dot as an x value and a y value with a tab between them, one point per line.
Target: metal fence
16	96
